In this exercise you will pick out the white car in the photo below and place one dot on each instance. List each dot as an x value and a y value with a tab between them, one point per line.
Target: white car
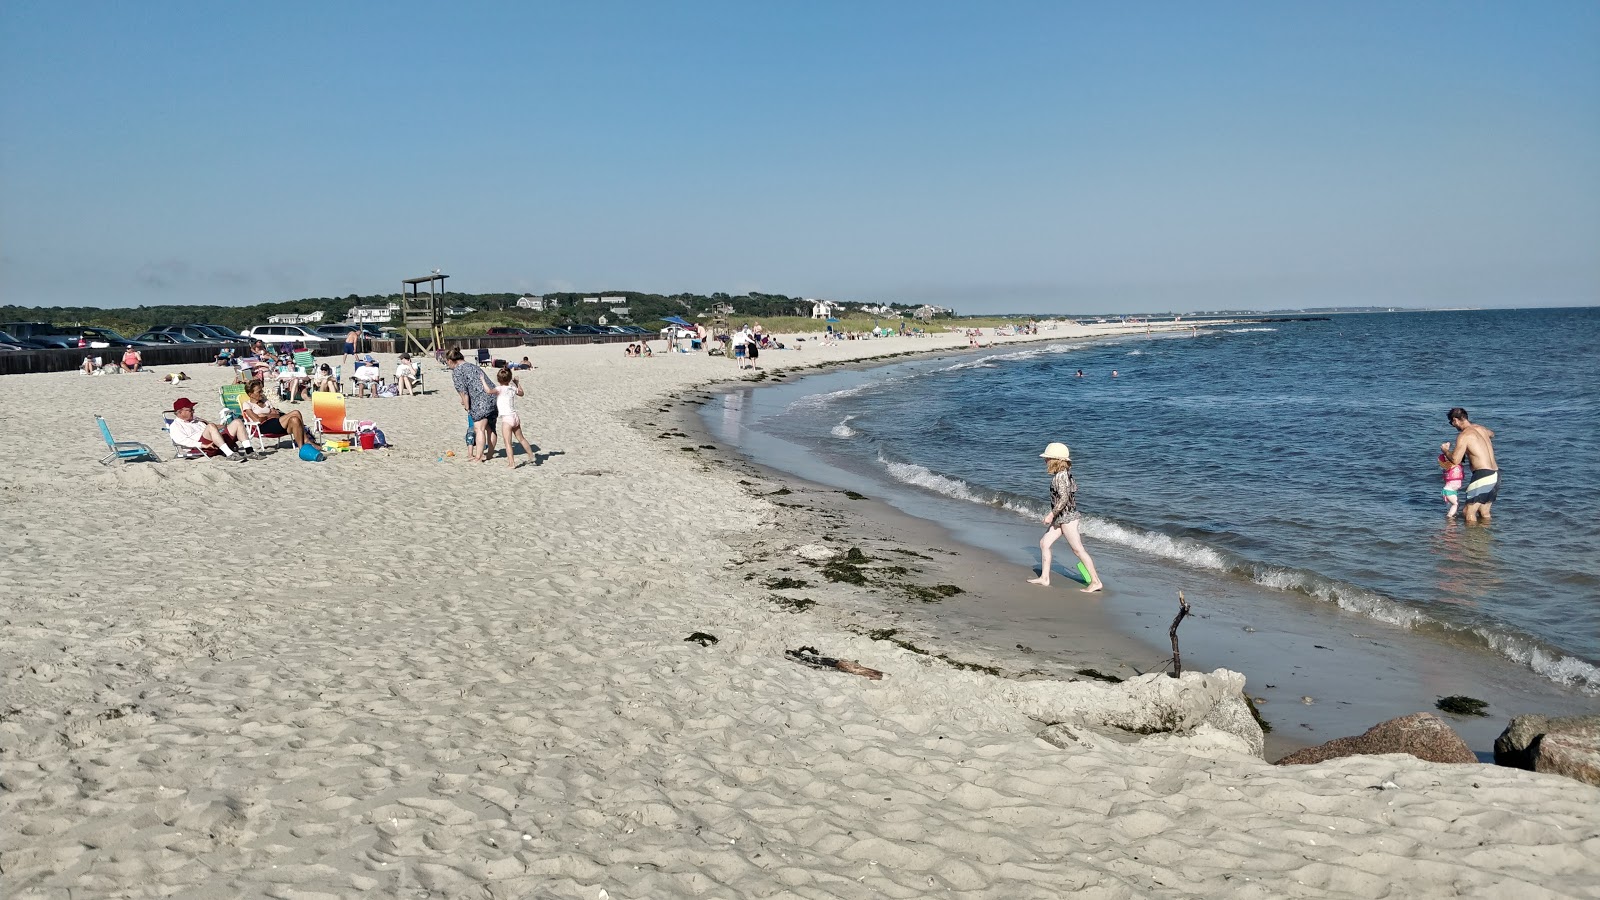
284	334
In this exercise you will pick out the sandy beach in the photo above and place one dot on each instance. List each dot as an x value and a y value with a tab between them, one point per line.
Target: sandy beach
399	673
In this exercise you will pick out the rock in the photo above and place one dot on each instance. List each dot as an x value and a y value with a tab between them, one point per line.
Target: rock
1573	754
1143	705
1423	735
1232	716
1515	746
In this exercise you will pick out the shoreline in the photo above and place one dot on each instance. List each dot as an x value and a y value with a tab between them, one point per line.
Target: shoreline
453	679
1357	671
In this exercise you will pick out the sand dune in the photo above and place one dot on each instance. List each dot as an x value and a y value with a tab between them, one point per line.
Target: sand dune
401	674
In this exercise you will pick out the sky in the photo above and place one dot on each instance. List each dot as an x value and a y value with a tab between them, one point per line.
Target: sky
993	157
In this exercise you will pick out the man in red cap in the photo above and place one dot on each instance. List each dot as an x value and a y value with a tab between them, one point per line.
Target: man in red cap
189	431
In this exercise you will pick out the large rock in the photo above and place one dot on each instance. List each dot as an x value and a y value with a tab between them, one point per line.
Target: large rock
1144	705
1423	735
1516	746
1569	754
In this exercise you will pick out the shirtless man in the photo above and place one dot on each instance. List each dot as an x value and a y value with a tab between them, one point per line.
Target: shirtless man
1473	444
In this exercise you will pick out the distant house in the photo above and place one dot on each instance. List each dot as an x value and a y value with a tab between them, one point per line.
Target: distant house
614	301
537	304
884	310
459	311
295	318
620	311
591	299
822	309
926	312
372	314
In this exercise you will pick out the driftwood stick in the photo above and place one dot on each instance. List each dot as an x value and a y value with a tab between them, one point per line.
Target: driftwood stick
1177	658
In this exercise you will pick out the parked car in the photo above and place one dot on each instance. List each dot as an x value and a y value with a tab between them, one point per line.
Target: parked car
165	337
13	342
194	333
507	331
224	332
42	333
105	338
284	334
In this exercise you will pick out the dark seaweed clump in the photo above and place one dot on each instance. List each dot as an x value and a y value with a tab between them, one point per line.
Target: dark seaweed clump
1463	706
931	594
779	584
1098	675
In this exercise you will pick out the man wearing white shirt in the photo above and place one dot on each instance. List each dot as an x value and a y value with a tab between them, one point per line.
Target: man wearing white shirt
198	434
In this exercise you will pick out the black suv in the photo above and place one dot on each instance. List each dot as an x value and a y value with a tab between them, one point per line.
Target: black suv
41	333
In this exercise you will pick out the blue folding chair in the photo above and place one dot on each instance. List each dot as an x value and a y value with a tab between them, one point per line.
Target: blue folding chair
127	451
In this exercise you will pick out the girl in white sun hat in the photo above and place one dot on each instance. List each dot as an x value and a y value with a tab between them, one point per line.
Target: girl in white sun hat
1062	520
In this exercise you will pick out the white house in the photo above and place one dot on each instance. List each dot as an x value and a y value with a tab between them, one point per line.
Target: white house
614	301
459	310
591	299
927	311
531	302
295	318
821	309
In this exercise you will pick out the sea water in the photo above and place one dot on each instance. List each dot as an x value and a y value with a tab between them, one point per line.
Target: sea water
1299	456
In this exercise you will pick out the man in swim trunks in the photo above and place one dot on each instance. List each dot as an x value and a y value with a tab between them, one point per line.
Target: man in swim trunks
1474	445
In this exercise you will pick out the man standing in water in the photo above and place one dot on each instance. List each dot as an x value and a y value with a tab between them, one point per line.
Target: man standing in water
1473	444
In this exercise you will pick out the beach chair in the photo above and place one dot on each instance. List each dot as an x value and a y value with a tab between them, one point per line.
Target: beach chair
483	356
233	408
327	410
178	451
125	451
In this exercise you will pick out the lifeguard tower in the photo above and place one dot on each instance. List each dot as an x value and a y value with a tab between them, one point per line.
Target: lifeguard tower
422	315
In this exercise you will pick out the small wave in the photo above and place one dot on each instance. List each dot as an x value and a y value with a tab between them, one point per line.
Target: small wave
923	477
843	429
1135	352
1246	330
816	401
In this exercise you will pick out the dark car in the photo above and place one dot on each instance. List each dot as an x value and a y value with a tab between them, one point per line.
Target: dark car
165	337
42	333
9	341
506	331
194	333
588	329
224	332
104	338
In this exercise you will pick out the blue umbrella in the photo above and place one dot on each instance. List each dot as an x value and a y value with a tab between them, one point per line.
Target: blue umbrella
677	321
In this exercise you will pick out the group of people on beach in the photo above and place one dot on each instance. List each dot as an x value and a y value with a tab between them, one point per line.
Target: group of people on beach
489	406
1473	447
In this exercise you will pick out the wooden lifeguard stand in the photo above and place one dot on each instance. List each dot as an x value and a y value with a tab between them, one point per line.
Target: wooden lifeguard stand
422	315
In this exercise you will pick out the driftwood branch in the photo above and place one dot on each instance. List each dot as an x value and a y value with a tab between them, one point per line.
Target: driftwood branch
1177	658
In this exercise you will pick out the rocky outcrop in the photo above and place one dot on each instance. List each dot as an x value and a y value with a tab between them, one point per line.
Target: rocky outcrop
1514	746
1152	704
1558	745
1423	735
1571	755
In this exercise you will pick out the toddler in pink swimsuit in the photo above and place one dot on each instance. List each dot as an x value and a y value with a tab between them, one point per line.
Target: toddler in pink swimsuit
1452	480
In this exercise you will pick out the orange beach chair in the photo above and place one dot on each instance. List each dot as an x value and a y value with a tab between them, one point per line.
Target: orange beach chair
327	408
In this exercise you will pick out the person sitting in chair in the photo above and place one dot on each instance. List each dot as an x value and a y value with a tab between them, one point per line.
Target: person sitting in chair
274	422
324	380
188	430
368	376
132	360
405	374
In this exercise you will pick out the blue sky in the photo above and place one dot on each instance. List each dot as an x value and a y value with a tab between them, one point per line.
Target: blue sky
1058	156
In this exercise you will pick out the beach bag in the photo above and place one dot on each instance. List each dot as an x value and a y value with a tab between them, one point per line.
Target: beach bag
389	390
310	453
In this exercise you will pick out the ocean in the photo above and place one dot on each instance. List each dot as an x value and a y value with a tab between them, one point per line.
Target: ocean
1297	456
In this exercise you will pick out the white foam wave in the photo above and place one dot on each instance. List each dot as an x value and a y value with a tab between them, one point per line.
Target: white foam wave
1561	669
843	429
1135	353
1189	552
923	477
1246	330
815	401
